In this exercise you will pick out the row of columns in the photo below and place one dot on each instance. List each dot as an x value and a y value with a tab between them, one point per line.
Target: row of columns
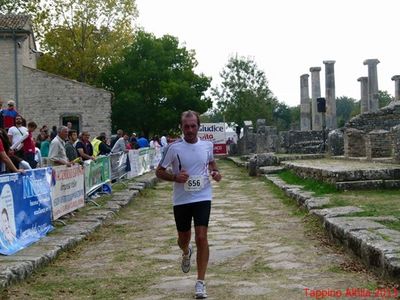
310	119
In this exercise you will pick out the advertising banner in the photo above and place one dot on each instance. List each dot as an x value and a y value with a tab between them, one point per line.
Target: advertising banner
215	133
97	173
134	162
67	190
25	208
143	160
118	165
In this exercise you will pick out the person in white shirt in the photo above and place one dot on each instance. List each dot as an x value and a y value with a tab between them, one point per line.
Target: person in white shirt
192	163
16	135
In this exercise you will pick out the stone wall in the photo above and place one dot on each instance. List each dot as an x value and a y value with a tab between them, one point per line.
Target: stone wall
378	143
336	142
305	142
385	118
354	143
395	133
49	97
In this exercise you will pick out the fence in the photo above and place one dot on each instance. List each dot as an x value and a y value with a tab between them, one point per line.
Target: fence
30	202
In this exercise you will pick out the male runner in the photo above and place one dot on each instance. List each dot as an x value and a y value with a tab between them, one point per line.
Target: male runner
191	159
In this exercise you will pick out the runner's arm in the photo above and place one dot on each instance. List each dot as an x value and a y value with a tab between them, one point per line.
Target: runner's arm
162	173
215	174
181	177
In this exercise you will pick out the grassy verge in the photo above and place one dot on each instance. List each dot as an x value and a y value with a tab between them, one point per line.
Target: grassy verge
374	203
317	187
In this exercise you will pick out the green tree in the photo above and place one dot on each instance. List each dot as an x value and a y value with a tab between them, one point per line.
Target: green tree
346	108
212	116
384	98
154	83
81	37
295	117
282	116
244	93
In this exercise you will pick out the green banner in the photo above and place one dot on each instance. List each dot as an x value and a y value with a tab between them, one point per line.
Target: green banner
97	173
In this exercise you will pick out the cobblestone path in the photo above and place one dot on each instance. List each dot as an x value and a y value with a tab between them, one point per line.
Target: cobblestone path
260	249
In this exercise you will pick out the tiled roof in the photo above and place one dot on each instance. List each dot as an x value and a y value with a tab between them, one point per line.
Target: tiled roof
16	22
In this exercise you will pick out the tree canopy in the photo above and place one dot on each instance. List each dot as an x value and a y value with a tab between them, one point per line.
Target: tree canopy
78	37
154	83
244	93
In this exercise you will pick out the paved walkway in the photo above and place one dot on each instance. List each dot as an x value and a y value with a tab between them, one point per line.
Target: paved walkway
260	249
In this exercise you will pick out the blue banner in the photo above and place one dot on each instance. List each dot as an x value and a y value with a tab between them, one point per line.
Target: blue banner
25	209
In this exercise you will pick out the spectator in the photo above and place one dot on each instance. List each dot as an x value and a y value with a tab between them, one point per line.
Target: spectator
53	132
99	145
9	115
38	158
16	134
132	144
1	113
120	133
70	149
142	142
29	148
155	142
42	136
57	154
84	147
45	145
69	126
163	140
6	164
120	145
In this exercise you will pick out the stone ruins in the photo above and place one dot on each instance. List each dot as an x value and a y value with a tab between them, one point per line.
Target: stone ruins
374	134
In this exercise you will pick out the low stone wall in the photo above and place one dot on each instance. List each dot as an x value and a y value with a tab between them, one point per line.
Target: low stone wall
336	142
306	142
386	118
378	143
354	143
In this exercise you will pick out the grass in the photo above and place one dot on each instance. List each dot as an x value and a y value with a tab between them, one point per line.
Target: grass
319	188
374	203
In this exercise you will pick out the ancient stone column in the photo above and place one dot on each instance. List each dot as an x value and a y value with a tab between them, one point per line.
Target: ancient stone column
396	79
364	103
372	84
330	96
315	93
305	110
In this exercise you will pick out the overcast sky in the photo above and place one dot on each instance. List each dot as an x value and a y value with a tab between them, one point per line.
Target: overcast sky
285	38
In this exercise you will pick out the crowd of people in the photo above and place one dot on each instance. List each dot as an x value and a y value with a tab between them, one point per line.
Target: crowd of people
21	148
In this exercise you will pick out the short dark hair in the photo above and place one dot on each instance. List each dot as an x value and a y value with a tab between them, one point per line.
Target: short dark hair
71	131
191	113
32	124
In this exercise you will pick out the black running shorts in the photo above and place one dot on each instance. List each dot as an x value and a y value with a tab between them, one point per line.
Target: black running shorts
199	211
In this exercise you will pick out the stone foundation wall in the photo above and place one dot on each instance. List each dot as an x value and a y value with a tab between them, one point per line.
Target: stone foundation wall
354	143
336	142
305	142
378	143
395	131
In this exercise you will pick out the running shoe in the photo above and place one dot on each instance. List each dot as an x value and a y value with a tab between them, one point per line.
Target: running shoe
186	260
200	290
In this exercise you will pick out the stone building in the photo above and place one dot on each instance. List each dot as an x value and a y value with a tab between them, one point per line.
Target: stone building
41	96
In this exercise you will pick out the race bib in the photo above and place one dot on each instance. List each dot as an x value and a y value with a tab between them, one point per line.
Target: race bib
195	183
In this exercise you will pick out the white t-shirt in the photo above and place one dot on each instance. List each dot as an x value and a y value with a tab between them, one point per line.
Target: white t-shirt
194	159
17	133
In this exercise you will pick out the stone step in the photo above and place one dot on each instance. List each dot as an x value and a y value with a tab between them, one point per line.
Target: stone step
368	184
271	169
